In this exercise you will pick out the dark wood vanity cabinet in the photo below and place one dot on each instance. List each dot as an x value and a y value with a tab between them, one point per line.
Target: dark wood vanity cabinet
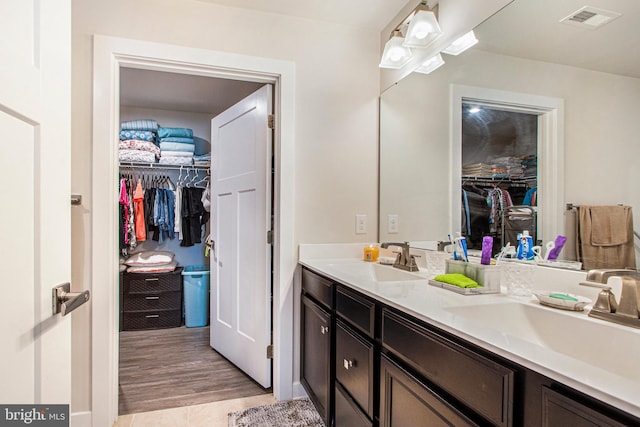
366	364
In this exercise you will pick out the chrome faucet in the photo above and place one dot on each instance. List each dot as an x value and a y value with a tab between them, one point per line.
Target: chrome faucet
404	260
627	311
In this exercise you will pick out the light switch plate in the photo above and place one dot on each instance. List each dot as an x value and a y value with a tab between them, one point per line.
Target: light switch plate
392	223
361	224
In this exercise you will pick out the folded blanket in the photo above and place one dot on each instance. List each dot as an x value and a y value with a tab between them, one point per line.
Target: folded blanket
177	146
136	144
142	135
175	132
144	124
178	139
136	156
165	268
187	161
202	145
176	154
457	279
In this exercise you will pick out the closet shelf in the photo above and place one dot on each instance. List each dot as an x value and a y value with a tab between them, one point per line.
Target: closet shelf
161	166
498	180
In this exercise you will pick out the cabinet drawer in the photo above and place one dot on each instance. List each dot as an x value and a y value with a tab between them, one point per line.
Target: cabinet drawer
160	301
142	283
151	319
406	401
354	366
356	309
481	384
560	410
318	287
347	412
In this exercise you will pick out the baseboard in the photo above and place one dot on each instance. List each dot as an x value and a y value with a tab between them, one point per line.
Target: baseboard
80	419
298	390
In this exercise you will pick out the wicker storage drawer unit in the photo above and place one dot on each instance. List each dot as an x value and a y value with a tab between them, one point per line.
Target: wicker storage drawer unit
151	300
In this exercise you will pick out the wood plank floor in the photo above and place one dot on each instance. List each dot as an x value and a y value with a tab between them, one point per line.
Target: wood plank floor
169	368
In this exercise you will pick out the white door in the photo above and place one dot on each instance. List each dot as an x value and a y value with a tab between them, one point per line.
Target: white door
241	217
35	231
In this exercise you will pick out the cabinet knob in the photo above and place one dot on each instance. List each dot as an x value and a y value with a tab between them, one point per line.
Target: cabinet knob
347	364
324	329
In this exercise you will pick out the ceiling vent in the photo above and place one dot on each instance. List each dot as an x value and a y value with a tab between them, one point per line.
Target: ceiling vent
590	17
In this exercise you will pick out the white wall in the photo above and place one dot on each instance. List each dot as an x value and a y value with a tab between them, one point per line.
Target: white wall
601	132
336	116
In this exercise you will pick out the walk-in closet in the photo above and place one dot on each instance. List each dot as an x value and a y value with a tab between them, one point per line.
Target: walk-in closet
499	174
166	359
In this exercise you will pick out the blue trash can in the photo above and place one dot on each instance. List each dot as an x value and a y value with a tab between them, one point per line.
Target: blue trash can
195	279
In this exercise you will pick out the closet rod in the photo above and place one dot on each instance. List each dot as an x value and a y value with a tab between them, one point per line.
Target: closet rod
161	166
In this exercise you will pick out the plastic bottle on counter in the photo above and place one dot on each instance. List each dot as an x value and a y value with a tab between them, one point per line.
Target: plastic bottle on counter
525	246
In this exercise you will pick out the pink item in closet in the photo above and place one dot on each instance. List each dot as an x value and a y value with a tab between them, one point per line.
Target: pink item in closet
124	207
138	209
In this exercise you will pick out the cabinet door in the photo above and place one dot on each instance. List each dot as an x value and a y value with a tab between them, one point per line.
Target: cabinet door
560	410
405	401
316	355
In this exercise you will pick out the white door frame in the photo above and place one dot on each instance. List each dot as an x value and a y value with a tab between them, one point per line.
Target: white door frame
110	54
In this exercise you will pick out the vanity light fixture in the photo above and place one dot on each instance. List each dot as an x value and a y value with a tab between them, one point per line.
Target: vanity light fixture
461	44
423	27
430	64
395	55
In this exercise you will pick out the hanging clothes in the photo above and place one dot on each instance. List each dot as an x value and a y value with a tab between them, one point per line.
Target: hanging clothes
138	211
124	215
149	205
177	226
193	216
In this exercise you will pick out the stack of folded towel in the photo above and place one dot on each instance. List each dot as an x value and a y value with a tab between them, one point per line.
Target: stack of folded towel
138	141
202	160
176	146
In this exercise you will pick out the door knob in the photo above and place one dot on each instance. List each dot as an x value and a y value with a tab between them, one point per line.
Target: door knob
65	301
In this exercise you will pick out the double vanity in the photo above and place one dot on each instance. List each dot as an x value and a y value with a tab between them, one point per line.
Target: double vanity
380	346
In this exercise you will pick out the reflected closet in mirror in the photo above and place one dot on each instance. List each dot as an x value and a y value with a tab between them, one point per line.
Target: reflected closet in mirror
499	174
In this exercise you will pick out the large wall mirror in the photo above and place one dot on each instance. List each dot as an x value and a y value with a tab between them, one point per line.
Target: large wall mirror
583	85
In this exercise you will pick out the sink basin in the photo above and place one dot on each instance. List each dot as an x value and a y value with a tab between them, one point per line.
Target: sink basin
375	272
609	347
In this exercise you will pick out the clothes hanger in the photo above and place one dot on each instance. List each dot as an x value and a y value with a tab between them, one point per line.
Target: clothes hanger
179	181
203	180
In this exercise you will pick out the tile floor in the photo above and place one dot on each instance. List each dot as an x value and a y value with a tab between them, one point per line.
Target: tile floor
205	415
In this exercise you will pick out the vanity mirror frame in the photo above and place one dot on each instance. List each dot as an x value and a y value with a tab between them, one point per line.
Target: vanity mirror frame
550	112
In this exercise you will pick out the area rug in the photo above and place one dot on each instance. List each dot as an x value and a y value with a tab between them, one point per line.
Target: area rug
290	413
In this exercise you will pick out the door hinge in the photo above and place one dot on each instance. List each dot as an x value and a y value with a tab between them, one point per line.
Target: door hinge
269	352
271	120
269	237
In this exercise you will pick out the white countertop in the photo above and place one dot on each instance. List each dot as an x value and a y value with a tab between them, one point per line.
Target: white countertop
438	306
